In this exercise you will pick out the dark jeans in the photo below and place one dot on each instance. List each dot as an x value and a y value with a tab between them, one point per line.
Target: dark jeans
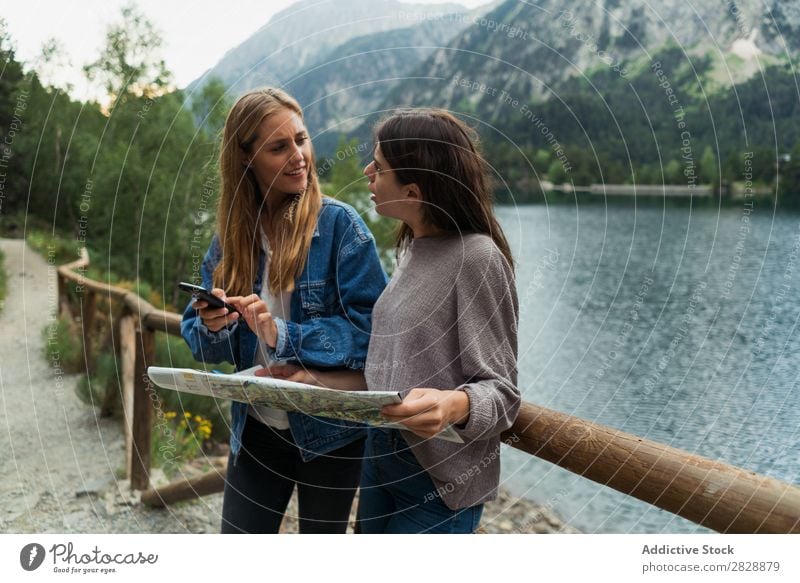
259	486
398	496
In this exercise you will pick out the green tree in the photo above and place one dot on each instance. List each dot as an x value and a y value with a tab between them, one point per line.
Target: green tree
673	172
14	184
542	158
764	166
129	63
52	59
48	140
154	191
648	174
348	184
556	173
709	169
55	153
210	108
789	190
11	76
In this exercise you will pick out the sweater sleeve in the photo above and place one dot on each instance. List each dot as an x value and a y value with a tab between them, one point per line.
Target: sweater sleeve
488	315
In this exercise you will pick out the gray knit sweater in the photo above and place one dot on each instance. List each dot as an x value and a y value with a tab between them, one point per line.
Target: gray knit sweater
448	320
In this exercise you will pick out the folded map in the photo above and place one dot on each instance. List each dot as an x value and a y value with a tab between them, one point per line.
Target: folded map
360	406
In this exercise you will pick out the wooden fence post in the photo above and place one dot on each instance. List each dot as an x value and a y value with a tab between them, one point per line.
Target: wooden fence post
62	292
137	349
142	409
88	307
127	352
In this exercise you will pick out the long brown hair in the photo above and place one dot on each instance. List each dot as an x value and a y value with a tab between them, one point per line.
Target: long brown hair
241	201
439	153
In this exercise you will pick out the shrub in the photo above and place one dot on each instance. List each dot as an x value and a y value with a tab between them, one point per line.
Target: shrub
177	438
63	345
55	249
172	351
102	389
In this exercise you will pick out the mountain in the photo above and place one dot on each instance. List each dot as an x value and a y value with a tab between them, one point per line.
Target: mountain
605	88
297	36
555	42
353	79
588	91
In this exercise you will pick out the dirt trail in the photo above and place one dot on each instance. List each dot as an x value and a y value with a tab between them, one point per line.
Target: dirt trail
59	461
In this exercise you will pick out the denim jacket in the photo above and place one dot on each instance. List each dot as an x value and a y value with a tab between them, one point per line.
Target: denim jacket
331	319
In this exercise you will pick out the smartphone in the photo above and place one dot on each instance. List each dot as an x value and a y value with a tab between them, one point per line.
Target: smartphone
202	293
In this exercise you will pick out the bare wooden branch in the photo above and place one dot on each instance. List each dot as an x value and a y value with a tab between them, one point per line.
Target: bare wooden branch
186	489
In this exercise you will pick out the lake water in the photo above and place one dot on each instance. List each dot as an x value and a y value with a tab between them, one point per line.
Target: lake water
674	324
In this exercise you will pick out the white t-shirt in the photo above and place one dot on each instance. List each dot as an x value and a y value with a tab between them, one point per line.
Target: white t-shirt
279	307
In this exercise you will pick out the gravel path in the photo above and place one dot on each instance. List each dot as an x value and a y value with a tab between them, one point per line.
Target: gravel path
60	462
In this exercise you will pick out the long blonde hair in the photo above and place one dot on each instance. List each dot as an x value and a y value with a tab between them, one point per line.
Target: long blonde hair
241	201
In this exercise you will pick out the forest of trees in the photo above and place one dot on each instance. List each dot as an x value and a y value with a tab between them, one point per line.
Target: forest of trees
617	130
133	178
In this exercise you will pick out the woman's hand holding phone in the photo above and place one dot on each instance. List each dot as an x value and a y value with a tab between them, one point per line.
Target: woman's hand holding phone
215	319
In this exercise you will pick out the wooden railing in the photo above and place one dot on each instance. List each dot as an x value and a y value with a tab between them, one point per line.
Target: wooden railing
136	330
719	496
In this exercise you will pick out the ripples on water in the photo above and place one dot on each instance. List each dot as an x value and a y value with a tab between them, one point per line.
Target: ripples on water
674	324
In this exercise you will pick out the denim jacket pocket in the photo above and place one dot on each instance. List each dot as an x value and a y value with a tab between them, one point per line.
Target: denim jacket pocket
315	298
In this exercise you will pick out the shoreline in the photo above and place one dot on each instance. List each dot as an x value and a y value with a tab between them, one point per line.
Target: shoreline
507	514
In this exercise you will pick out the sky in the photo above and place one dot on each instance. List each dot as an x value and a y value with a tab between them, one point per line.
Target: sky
197	33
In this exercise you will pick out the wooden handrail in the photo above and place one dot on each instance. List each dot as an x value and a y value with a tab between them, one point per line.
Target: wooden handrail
719	496
79	263
162	321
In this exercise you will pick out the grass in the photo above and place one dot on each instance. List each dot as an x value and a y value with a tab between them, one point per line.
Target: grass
55	249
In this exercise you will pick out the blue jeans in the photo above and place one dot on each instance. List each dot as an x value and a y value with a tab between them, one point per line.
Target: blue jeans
397	495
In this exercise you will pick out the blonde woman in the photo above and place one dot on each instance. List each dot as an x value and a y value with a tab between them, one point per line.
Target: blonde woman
304	272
